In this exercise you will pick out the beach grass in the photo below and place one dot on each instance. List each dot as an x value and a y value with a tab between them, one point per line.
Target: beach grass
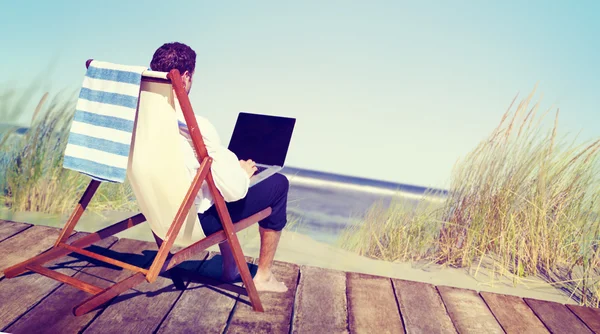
523	202
32	177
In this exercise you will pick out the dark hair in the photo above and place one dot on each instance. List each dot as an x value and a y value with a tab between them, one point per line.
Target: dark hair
174	56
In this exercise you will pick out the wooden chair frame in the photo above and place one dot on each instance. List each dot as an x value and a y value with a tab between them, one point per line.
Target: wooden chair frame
164	260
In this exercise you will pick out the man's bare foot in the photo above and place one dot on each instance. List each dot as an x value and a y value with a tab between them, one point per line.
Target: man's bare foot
268	283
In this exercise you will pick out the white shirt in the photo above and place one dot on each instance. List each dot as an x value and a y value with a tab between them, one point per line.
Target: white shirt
230	178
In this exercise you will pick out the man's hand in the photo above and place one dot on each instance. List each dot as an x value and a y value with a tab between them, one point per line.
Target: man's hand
249	166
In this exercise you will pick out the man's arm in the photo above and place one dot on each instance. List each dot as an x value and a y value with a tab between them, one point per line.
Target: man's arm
230	178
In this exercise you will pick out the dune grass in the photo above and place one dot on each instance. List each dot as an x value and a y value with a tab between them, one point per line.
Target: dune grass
400	231
523	202
32	177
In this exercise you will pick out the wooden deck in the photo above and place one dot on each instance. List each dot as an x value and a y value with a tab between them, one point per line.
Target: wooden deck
319	300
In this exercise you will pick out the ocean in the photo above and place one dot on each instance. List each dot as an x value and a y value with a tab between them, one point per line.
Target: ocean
326	203
321	204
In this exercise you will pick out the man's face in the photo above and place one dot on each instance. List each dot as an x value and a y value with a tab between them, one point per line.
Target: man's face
187	81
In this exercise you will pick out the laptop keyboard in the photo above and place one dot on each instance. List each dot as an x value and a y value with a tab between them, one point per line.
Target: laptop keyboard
260	169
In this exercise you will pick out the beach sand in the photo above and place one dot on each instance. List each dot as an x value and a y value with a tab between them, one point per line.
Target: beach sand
302	250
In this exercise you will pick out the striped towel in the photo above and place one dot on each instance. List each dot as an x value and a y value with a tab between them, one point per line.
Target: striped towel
102	127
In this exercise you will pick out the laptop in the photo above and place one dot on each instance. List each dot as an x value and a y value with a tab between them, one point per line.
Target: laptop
264	139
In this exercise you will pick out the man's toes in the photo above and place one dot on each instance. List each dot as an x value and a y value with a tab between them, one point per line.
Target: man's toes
271	286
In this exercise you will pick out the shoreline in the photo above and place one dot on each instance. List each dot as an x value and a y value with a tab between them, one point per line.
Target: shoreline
321	183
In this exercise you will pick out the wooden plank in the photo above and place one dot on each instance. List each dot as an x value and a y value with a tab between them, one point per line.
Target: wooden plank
513	314
25	245
372	306
8	228
557	317
468	311
321	305
55	313
21	293
589	315
278	307
201	308
422	308
143	311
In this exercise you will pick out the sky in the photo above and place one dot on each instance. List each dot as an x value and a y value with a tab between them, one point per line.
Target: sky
389	90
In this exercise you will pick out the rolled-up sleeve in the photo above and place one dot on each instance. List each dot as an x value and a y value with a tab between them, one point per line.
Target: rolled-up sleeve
230	178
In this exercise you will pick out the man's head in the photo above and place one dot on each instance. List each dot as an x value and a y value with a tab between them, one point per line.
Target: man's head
175	56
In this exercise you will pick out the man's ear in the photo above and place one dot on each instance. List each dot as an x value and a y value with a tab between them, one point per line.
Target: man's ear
187	76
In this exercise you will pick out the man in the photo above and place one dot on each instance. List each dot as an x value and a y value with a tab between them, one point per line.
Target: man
232	177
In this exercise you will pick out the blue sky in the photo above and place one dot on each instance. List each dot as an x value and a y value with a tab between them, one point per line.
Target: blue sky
391	90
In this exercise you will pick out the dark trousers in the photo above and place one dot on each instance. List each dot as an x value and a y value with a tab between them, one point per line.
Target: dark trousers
271	192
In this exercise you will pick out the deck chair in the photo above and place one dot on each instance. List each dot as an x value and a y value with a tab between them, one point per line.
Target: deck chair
165	195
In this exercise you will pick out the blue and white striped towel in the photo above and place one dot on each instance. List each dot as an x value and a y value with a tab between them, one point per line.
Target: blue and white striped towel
102	127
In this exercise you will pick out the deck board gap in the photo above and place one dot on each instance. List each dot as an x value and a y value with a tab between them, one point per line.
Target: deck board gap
294	303
19	232
490	309
171	308
446	307
32	307
348	306
398	304
580	319
230	317
187	284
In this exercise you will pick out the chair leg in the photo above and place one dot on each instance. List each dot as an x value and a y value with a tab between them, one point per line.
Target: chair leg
240	261
173	273
57	252
106	295
65	232
77	212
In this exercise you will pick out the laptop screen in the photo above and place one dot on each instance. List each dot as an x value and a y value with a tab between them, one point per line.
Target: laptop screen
262	138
